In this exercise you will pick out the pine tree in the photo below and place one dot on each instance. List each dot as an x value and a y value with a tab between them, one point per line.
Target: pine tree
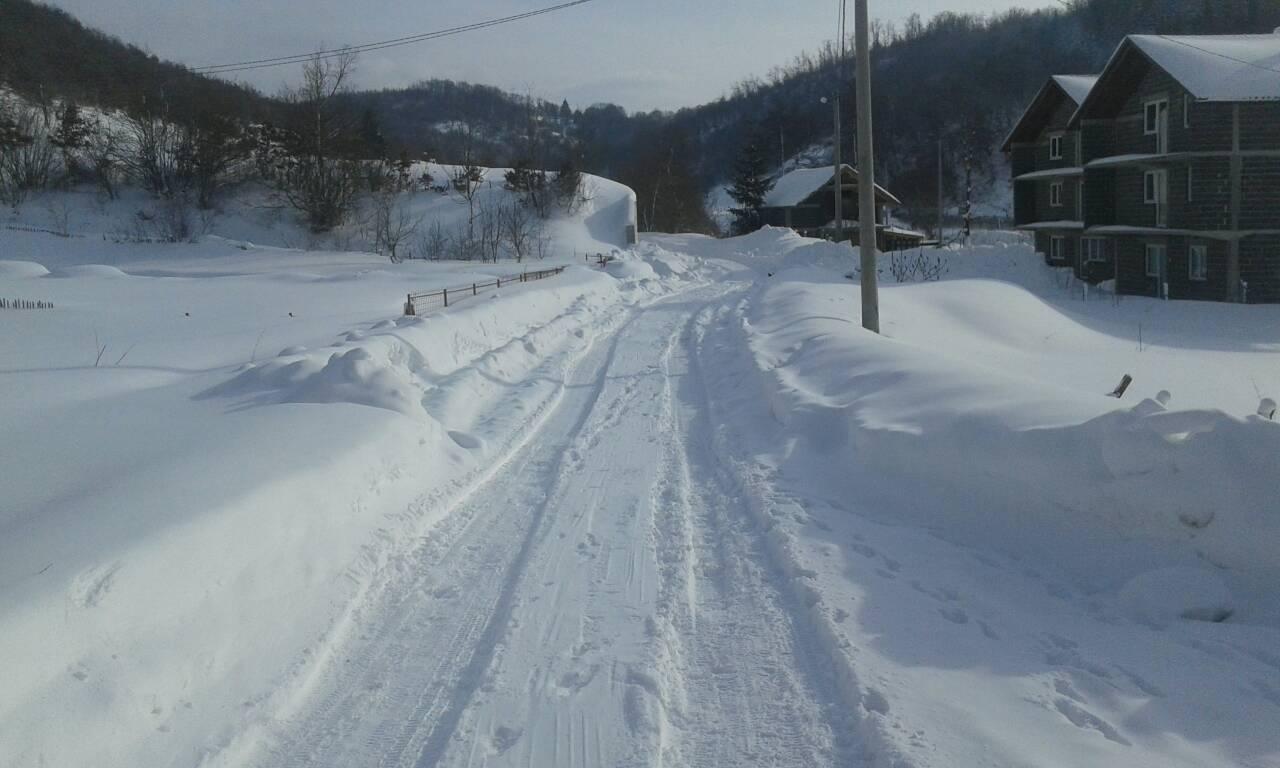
751	185
569	186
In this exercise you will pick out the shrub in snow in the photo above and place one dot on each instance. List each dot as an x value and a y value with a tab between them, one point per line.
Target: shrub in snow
1171	594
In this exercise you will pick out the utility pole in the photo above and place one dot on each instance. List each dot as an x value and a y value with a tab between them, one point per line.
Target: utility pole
837	176
839	171
940	212
867	233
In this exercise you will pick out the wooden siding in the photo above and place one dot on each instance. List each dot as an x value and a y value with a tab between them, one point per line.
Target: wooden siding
1260	268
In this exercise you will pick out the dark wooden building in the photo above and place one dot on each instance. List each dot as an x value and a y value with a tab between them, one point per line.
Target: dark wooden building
1048	175
1179	150
804	200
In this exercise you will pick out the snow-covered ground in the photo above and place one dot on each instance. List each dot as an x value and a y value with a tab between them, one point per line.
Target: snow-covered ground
1004	566
679	511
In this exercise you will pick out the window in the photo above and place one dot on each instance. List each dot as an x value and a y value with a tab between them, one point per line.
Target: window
1055	147
1055	194
1155	260
1155	185
1155	122
1198	263
1095	249
1058	249
1151	119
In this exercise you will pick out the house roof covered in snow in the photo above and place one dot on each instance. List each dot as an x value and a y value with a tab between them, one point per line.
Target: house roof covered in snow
795	187
1219	67
1229	68
1076	86
1072	88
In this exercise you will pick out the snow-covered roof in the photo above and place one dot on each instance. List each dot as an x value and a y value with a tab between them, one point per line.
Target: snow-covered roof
1113	160
1218	67
1039	225
1076	86
1051	173
792	188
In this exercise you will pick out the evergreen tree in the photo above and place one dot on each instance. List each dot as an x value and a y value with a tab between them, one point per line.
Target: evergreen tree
569	186
71	135
373	143
751	184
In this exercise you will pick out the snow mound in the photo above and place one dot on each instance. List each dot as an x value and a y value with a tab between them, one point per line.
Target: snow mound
353	376
631	269
89	270
22	269
1167	595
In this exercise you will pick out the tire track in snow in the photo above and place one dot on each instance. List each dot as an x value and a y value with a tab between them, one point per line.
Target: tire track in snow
401	693
753	691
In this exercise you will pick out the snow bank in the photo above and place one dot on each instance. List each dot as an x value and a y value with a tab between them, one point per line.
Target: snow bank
1170	594
1003	564
164	509
21	269
1034	458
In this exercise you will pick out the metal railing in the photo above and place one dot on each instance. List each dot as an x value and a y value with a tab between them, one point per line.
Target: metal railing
416	302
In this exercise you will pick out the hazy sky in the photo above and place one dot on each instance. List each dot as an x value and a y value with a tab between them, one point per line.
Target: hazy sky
642	54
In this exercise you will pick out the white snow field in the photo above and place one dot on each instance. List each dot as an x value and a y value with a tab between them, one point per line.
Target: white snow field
678	511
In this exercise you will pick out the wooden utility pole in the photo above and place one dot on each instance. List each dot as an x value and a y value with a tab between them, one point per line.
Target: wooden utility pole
839	171
940	211
867	234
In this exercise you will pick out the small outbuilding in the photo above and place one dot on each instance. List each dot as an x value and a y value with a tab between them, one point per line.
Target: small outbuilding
804	200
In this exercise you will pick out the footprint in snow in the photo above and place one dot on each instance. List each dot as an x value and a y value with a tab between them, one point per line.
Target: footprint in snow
91	587
466	441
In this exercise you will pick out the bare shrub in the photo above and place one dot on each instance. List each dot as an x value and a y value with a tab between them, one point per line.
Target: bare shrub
392	226
917	266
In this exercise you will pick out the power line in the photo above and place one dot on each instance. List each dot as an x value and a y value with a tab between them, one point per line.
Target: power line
278	61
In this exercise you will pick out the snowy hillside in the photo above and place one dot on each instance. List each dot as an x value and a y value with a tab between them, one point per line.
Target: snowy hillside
679	509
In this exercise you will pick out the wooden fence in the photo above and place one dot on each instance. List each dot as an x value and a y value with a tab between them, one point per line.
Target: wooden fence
24	304
415	302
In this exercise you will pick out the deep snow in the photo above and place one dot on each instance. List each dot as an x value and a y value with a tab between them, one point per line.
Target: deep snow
681	510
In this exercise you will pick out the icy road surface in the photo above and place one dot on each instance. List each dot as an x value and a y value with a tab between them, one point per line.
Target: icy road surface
604	601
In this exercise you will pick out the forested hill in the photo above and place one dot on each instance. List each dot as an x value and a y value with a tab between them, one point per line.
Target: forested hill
46	53
959	79
962	79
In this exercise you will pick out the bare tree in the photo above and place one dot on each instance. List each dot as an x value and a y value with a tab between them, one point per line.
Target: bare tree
522	229
393	225
320	174
27	154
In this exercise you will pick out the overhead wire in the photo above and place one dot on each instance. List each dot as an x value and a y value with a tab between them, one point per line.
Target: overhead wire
278	61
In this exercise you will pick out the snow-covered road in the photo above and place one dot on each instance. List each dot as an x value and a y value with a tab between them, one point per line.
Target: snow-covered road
603	600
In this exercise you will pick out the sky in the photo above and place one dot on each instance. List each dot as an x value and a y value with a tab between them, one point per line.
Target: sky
641	54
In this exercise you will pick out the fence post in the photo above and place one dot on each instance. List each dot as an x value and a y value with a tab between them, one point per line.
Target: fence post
446	297
408	305
473	290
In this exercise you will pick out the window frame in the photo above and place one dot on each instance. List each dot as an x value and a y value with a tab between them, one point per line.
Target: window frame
1150	119
1057	248
1092	254
1202	275
1055	145
1055	194
1158	249
1151	186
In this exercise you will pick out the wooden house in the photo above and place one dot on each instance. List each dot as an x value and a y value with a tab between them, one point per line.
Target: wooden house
804	200
1179	157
